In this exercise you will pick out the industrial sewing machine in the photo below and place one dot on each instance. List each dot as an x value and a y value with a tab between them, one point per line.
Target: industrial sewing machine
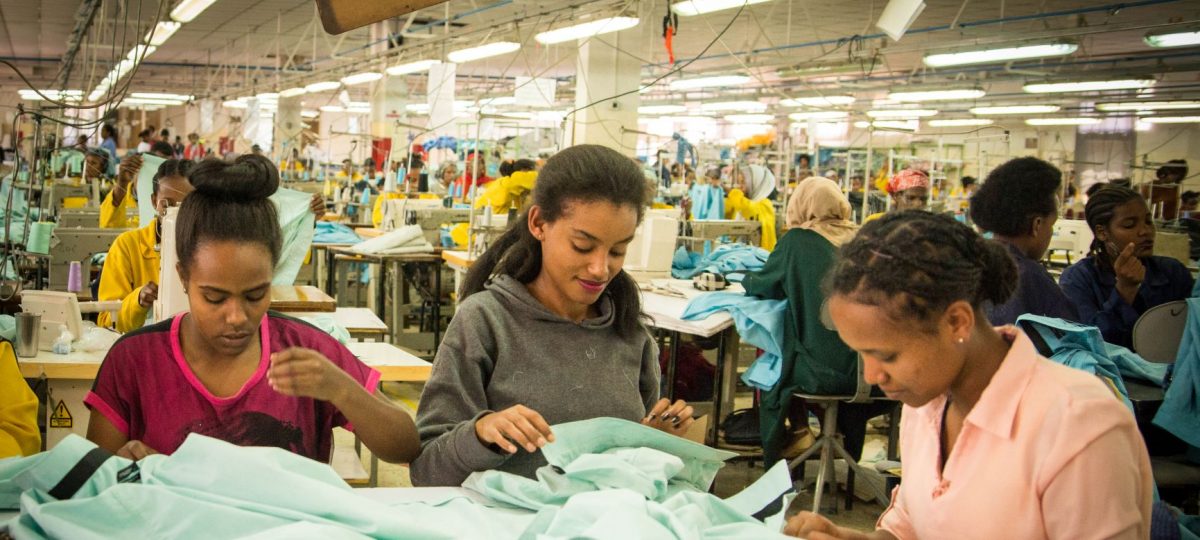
86	217
77	244
700	231
650	253
429	214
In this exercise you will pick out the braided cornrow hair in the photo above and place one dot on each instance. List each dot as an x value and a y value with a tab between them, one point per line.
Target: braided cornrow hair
915	264
1100	209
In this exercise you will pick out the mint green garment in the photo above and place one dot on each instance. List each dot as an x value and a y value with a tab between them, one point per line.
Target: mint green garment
296	221
145	187
326	323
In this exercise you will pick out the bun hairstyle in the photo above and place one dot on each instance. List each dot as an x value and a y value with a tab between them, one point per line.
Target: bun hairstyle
230	203
584	173
915	264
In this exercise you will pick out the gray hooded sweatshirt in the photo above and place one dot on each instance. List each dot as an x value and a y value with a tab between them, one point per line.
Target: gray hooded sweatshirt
504	348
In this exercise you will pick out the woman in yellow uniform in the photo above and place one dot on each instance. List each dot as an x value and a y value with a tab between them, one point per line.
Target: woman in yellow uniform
131	268
18	409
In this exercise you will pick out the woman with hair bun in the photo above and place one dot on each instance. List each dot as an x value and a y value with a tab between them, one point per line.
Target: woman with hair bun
229	368
998	442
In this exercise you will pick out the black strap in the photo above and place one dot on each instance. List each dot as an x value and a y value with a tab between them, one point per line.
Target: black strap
80	473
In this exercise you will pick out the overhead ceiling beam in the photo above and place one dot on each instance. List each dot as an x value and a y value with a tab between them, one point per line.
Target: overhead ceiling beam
83	21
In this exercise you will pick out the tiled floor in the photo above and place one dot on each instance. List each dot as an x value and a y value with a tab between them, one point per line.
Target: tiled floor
732	479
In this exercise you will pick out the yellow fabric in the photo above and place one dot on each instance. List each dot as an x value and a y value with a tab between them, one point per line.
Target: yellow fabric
507	191
873	217
18	409
377	212
661	206
74	202
115	216
761	211
132	262
458	233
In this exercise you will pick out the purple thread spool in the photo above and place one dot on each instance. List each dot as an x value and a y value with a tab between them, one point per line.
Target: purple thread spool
75	277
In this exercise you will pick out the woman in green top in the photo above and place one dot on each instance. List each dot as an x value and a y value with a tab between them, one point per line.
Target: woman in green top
814	358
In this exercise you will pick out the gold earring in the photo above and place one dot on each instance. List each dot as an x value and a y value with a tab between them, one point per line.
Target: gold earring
962	340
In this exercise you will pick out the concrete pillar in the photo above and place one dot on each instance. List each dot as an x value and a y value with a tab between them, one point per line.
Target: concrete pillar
603	71
288	126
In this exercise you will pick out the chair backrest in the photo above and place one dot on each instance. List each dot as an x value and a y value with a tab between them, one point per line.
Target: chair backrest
1157	333
862	392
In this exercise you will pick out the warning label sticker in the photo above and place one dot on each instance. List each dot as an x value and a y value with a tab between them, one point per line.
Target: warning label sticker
61	417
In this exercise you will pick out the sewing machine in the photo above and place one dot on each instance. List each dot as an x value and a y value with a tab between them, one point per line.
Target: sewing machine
58	309
86	217
77	244
700	231
429	214
650	253
60	191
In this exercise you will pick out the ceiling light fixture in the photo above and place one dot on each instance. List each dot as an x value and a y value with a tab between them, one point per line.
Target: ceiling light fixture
1171	119
309	114
412	67
162	32
190	9
1173	38
1089	86
234	104
361	78
1147	105
961	122
323	86
661	109
483	51
1002	54
697	83
688	8
332	108
1016	109
819	115
293	92
1062	121
586	30
267	96
750	118
819	101
901	113
153	95
744	106
938	95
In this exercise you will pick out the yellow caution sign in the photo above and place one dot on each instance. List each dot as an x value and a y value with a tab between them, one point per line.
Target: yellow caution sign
61	417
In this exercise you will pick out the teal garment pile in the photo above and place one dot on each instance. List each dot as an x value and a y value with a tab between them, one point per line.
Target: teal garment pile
1180	410
759	322
730	260
708	201
619	481
1075	345
296	221
328	232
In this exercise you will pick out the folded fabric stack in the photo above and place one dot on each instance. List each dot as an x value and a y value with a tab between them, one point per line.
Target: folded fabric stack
407	239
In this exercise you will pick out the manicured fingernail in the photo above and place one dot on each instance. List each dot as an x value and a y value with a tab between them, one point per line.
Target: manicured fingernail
666	415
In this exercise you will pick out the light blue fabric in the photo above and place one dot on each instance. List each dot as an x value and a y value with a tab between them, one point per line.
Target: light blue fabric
296	222
328	232
1133	366
326	323
145	187
1180	410
1078	346
759	322
8	327
727	260
20	209
708	201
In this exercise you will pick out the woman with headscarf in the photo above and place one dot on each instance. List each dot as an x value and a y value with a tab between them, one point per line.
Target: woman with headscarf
751	199
909	190
815	360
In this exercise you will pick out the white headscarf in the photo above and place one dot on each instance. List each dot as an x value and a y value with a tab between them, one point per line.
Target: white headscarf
760	182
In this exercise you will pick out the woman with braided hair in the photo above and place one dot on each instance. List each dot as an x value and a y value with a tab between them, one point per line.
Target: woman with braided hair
1121	278
998	442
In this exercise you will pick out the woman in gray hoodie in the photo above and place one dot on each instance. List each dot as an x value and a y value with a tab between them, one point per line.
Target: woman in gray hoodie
549	329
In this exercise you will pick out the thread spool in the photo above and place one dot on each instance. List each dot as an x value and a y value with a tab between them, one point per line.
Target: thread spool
75	277
39	237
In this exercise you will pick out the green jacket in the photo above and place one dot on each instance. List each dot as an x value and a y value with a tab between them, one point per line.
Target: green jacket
815	360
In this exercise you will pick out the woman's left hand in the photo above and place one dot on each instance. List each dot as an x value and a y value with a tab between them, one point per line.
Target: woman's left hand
672	418
307	373
317	205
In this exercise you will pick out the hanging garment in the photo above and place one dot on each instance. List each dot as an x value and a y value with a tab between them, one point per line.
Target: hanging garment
1180	410
296	223
708	201
759	322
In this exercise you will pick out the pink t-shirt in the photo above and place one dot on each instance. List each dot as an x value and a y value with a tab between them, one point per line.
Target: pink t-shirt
1047	452
148	391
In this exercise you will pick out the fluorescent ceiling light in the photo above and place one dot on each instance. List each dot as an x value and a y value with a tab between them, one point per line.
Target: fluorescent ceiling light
937	95
1142	125
358	110
688	8
1147	105
483	51
138	52
819	115
332	108
151	101
750	118
687	118
961	122
293	92
417	107
1062	121
518	115
1171	119
1174	39
153	95
360	78
708	82
901	113
267	96
323	86
661	109
56	95
819	101
1003	54
358	105
234	104
412	67
162	32
909	125
746	106
190	9
309	114
498	101
1089	86
586	30
1016	109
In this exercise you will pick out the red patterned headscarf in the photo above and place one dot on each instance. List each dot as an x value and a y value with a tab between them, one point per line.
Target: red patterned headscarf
907	179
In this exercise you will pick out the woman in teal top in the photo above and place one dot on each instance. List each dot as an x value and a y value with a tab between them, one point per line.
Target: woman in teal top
814	358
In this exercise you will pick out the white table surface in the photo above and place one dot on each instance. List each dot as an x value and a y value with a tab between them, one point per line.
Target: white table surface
378	354
358	319
665	311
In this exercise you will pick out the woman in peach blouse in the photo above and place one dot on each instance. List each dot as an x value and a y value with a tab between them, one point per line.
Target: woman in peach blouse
997	441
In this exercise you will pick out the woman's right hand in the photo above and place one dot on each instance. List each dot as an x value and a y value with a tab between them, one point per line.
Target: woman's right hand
135	450
517	424
129	169
1130	273
817	527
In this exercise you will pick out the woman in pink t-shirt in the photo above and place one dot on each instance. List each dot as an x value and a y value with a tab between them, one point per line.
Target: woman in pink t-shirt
229	369
997	441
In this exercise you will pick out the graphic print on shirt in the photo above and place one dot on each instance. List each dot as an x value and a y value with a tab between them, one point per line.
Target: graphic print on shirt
250	428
